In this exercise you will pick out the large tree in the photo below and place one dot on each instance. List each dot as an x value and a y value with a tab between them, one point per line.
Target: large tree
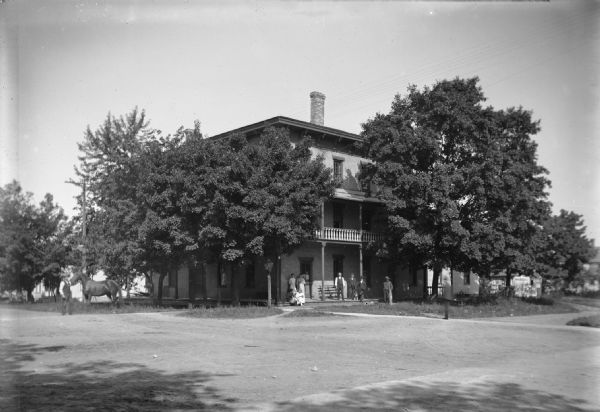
109	174
459	179
270	199
564	247
33	240
230	200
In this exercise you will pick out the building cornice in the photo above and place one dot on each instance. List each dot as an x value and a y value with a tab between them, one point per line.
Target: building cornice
311	129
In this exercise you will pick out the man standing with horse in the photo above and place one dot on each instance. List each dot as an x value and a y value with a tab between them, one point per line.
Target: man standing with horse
66	296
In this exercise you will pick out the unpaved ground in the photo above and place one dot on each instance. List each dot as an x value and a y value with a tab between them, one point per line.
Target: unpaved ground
162	361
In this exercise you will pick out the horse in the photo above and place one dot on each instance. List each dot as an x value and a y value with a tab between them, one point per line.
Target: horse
91	288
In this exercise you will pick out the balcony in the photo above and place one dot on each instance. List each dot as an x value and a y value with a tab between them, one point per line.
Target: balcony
346	235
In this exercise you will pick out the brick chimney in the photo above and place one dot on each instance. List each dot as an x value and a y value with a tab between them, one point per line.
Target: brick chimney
317	108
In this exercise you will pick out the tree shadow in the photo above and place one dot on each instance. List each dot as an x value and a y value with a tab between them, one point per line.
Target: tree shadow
100	385
438	396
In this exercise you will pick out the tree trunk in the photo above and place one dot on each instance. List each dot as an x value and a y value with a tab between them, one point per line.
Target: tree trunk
159	292
191	285
219	275
30	297
235	290
278	280
507	281
204	287
425	290
437	270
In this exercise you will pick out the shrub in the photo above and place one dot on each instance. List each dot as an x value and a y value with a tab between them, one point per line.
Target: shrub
591	321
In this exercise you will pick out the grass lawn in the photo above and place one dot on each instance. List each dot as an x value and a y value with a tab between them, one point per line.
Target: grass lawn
232	312
498	307
308	314
94	307
490	308
224	312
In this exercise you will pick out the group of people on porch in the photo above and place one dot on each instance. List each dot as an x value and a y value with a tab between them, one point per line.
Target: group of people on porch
355	288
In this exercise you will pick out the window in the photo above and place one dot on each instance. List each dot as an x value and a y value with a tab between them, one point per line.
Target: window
467	278
172	278
306	268
250	275
222	277
338	265
338	215
366	219
364	186
338	171
414	275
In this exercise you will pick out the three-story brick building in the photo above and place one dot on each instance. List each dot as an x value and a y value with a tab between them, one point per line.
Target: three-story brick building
348	222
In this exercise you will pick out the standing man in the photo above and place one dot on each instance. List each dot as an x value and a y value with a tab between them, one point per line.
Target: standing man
446	292
362	288
339	286
66	296
352	287
387	290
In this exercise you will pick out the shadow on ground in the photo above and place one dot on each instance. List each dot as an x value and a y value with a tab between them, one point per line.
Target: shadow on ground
100	386
438	396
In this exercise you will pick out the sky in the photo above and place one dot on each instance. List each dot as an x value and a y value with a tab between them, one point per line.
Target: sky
65	65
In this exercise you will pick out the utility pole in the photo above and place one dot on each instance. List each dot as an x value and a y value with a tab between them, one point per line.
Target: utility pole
83	229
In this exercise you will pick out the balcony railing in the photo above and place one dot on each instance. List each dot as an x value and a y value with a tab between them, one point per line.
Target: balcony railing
346	235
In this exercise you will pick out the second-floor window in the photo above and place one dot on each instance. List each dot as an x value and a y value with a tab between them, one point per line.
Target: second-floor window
338	171
361	181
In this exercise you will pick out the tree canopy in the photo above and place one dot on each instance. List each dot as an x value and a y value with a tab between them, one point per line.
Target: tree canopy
230	200
34	240
564	247
460	180
156	203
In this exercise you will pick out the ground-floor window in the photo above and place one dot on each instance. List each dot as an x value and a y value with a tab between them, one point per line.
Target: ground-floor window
467	278
172	278
250	276
338	265
306	268
222	277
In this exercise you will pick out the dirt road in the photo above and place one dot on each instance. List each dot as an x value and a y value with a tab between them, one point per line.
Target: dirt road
162	361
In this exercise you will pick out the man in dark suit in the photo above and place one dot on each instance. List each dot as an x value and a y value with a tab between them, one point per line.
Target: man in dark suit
361	288
339	286
352	287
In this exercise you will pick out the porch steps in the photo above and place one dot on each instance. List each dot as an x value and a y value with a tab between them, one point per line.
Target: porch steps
330	292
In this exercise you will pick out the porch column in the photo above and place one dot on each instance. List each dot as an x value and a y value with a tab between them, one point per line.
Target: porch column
360	260
323	270
360	225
